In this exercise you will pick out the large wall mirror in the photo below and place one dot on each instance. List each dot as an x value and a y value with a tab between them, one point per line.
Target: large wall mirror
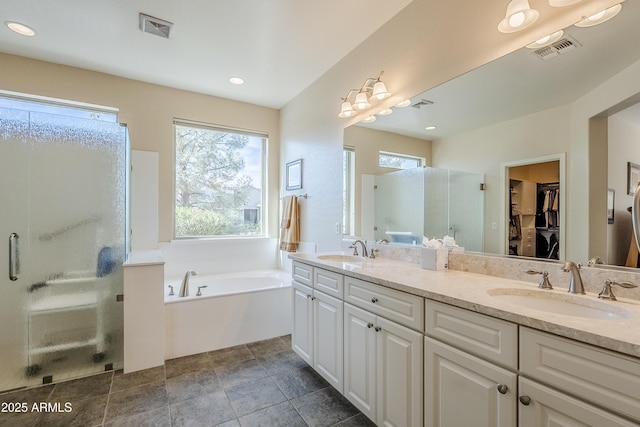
517	108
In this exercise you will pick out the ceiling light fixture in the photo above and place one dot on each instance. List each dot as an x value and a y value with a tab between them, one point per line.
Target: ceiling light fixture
22	29
518	17
373	89
236	80
546	40
600	17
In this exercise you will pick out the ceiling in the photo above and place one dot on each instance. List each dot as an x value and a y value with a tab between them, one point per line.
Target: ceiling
278	47
522	83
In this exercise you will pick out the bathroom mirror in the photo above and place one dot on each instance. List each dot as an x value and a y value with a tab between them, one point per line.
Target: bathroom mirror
485	117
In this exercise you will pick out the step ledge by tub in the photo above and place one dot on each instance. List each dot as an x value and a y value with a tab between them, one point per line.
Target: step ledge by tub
144	257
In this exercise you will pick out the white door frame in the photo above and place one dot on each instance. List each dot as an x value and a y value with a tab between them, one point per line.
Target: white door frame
504	198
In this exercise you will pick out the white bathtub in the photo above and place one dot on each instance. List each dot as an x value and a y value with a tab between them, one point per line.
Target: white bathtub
233	309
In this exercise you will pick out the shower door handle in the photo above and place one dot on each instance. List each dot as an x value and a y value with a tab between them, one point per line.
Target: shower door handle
14	262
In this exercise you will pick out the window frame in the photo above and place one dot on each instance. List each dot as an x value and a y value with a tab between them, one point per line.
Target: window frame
263	177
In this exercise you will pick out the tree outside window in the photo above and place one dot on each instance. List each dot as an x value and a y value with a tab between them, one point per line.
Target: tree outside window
218	182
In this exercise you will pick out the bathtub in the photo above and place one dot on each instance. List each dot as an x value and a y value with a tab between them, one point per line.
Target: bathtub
233	309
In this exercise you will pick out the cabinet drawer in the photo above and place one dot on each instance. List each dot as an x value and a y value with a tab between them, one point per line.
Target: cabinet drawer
603	377
328	282
398	306
302	273
492	339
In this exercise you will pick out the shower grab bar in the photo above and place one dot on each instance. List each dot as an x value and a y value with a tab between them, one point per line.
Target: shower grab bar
14	262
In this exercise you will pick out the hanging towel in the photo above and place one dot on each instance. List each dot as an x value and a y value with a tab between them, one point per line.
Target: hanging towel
290	224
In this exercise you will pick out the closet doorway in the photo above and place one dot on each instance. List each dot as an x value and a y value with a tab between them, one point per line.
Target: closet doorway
534	207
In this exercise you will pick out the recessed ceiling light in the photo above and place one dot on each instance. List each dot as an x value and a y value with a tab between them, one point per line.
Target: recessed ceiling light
19	28
431	127
404	103
236	80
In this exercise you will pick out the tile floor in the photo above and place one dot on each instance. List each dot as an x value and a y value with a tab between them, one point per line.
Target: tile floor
258	384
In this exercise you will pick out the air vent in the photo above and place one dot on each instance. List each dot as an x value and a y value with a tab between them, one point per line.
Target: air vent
563	45
155	26
422	103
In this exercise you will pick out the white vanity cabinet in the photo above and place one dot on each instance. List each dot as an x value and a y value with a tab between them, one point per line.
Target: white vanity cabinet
382	368
591	386
317	321
383	352
464	384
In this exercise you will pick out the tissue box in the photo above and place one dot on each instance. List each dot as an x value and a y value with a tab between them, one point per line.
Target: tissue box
435	259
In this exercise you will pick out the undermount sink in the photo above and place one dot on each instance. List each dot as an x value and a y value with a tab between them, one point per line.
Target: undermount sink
340	258
565	304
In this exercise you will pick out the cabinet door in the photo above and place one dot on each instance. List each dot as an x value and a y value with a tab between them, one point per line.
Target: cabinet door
548	407
302	330
462	390
399	382
359	359
327	338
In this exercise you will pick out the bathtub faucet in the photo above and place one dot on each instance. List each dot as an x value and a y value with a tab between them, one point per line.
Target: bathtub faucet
184	289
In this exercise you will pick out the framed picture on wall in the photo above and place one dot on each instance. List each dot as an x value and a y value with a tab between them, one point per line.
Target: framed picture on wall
611	196
633	177
294	175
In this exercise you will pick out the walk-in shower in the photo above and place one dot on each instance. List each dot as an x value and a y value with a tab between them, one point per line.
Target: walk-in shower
63	216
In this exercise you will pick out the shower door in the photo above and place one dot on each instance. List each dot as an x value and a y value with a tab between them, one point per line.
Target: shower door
63	218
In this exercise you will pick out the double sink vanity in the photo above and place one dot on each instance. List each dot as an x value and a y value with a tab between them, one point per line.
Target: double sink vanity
414	347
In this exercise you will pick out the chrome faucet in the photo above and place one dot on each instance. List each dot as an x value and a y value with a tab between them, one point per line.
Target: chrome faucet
354	245
575	284
184	288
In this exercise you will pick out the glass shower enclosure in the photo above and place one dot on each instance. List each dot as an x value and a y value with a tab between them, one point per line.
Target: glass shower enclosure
431	202
63	218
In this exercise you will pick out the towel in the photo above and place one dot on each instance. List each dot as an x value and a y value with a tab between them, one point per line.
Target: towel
290	224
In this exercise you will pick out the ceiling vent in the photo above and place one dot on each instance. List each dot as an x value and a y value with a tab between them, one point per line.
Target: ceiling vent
563	45
422	103
155	26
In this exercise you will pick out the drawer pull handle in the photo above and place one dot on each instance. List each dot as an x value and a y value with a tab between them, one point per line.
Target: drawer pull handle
525	400
374	300
502	389
369	325
378	328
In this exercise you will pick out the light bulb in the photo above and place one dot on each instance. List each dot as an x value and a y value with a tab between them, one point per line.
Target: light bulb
361	102
517	19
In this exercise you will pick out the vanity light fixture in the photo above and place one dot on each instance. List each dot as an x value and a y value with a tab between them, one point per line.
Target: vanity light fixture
562	3
373	89
404	103
600	17
546	40
22	29
518	17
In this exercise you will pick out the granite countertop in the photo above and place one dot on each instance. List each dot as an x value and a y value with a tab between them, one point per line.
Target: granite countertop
474	292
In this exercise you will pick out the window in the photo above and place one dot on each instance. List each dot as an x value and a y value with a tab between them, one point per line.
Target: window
219	181
399	161
348	190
